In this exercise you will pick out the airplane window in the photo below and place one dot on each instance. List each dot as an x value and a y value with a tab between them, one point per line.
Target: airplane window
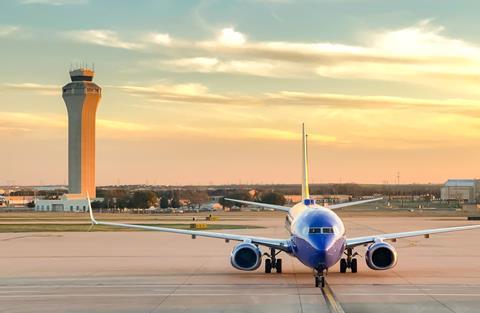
327	230
321	230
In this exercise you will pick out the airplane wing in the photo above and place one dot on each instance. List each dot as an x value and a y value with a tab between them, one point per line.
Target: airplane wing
280	244
263	205
353	242
345	204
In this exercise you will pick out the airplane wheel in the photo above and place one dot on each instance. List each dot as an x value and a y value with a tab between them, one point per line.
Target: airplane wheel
278	266
322	281
343	266
353	266
268	266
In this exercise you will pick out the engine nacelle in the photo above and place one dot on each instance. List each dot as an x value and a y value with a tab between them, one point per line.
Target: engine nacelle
381	256
246	257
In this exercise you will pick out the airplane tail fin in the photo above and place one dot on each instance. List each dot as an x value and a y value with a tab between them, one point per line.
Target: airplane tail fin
305	191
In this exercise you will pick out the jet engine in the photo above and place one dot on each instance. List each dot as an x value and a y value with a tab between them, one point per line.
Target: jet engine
246	257
381	256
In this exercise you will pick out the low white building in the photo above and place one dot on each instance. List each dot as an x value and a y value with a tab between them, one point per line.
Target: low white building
67	203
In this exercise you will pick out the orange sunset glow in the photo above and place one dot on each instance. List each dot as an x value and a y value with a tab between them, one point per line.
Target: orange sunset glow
222	98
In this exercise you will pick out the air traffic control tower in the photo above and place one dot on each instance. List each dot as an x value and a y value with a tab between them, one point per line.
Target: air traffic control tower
81	96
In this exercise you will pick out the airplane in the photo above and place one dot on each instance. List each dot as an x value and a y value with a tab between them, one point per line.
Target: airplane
317	236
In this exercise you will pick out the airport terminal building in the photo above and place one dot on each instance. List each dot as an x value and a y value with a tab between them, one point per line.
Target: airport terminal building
467	190
64	204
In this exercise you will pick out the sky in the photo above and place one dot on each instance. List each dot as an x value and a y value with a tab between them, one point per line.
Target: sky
215	92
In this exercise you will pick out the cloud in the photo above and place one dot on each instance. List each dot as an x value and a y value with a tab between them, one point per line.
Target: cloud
422	39
158	39
121	126
17	123
200	94
420	54
330	100
232	42
180	93
215	65
373	120
113	39
230	37
196	93
38	124
248	132
103	37
8	30
278	134
54	2
42	89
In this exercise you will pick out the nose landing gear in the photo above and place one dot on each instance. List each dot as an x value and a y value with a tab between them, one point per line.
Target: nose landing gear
350	262
272	262
319	276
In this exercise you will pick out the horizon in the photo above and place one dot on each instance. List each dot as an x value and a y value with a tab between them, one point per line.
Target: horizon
230	185
214	93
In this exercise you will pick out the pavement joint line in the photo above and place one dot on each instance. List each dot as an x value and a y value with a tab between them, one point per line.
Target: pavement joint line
413	294
179	286
97	295
331	300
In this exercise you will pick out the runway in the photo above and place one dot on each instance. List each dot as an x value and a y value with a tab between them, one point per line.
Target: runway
153	272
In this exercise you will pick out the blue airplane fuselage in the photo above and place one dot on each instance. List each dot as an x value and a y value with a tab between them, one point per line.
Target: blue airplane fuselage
317	250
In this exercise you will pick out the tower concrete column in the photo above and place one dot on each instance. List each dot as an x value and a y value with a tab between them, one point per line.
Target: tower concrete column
81	97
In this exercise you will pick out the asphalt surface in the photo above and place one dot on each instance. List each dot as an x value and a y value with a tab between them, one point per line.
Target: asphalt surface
156	272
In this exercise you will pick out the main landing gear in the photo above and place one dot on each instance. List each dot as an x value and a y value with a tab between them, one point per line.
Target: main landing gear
272	262
350	262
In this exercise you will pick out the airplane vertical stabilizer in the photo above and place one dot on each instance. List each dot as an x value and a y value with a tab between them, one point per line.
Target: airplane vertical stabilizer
305	191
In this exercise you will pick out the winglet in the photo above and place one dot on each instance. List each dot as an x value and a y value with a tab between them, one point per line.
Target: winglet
305	191
94	222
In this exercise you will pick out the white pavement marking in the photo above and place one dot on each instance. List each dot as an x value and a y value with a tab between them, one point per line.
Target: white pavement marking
413	294
150	295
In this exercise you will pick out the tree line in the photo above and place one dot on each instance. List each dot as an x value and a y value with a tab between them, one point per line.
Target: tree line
144	199
122	198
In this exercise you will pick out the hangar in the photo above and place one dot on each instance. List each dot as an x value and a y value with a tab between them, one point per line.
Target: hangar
466	190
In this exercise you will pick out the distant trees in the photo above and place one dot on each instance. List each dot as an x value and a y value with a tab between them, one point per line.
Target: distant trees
143	199
237	194
272	197
195	198
115	198
140	197
164	203
169	199
175	202
98	205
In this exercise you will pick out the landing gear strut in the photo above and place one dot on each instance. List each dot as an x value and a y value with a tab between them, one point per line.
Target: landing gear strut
319	278
273	262
350	262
